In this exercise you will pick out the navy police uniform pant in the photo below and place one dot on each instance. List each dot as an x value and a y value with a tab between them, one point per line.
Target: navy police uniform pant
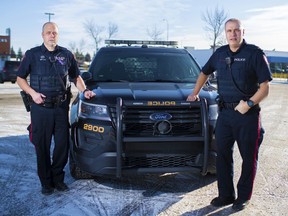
48	123
246	131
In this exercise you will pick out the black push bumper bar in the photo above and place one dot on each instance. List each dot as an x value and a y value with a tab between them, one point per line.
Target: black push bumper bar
203	137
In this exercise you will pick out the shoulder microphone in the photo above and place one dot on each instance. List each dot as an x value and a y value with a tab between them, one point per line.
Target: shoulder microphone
229	61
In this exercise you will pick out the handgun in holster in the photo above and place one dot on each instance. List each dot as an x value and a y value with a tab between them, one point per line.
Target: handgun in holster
220	102
26	100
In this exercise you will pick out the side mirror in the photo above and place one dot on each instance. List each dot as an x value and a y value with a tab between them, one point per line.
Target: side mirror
86	76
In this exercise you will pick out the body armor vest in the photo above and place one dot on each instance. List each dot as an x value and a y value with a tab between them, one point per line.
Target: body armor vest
237	78
50	71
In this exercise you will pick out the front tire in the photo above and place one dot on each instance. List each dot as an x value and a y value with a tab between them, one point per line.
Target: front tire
75	171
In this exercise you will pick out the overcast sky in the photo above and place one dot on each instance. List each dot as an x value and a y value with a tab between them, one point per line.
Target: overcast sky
265	21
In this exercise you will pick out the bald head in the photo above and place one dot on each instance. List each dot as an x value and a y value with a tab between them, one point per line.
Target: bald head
235	21
49	23
50	35
234	33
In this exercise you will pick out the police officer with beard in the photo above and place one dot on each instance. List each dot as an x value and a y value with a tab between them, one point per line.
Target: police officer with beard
243	77
51	67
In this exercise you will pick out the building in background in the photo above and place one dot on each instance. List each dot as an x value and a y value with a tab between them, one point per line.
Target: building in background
278	60
278	63
5	47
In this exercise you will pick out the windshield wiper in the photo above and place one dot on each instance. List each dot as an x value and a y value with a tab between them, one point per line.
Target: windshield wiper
111	80
164	80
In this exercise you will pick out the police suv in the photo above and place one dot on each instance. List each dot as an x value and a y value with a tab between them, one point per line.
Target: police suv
140	122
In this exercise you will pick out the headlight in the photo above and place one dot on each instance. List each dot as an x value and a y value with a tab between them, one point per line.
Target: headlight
95	111
213	112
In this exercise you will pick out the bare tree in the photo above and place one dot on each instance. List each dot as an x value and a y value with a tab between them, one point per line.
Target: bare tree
214	25
112	29
154	33
72	46
94	31
82	44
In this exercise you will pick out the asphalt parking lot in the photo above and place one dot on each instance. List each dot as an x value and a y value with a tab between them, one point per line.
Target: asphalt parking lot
171	194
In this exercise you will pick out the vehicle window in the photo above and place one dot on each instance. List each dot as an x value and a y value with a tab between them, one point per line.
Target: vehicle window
145	67
12	65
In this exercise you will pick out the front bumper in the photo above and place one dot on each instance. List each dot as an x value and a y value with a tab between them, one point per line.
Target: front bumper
108	148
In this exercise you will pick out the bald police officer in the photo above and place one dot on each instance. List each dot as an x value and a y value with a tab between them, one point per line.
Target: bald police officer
243	76
50	68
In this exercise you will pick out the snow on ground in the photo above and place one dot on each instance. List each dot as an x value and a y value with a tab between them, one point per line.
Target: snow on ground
171	194
20	189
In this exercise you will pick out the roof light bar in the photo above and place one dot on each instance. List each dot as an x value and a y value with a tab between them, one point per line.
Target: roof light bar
141	42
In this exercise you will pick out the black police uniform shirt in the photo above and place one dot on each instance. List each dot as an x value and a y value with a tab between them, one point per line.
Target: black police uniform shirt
238	73
47	69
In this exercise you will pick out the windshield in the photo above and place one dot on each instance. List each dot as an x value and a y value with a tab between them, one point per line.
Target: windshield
144	67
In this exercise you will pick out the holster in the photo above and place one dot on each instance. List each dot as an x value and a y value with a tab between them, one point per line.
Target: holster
26	100
220	102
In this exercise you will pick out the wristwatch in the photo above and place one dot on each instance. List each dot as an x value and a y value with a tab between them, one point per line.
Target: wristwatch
250	103
85	90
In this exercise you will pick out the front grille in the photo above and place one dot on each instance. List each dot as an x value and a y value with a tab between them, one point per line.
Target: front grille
144	142
186	120
160	161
